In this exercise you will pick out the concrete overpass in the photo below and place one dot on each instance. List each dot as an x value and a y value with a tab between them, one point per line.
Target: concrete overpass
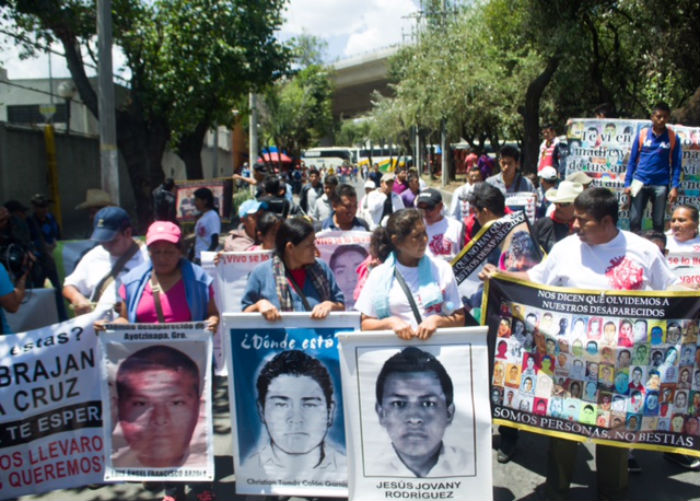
356	78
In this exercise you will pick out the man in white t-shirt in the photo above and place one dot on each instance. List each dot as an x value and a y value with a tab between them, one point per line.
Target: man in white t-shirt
118	253
445	234
383	202
598	256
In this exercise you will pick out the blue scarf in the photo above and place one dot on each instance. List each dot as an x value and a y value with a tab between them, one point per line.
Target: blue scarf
428	290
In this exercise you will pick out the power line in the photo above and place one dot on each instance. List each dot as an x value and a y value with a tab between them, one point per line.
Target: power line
33	89
48	49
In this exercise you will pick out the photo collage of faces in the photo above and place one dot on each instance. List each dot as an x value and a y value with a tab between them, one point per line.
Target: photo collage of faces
621	373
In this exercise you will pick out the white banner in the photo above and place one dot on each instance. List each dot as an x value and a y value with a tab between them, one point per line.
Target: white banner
525	201
286	405
230	279
344	251
418	415
38	310
156	383
50	409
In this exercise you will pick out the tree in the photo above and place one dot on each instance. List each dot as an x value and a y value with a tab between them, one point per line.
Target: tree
296	111
189	61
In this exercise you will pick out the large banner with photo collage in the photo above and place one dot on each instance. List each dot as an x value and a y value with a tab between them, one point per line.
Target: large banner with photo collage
601	149
621	368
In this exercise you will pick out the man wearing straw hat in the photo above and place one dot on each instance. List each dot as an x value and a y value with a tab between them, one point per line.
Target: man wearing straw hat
550	229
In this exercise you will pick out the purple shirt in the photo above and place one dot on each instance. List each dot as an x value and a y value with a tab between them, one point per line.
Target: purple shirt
408	197
399	187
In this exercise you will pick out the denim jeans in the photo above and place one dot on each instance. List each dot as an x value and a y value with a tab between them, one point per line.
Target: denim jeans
658	196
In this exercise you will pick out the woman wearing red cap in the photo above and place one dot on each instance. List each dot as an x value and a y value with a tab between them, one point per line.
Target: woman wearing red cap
169	289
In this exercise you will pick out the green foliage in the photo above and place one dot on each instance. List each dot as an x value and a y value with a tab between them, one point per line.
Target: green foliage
296	111
353	133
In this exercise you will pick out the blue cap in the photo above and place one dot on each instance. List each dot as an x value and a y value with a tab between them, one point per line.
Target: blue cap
250	207
109	221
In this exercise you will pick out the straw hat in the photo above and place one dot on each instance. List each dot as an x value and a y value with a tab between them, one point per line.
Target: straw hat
95	198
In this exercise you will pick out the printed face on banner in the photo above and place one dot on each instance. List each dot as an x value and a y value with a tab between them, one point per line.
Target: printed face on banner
420	410
296	414
415	413
286	405
158	411
344	251
158	403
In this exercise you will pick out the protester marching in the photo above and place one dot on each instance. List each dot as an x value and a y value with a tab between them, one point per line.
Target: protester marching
371	342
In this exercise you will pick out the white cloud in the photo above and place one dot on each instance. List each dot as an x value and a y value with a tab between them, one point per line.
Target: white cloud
368	24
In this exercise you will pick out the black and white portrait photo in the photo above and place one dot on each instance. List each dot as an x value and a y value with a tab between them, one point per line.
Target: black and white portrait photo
422	418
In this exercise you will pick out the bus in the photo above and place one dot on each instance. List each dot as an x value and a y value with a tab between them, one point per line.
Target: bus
388	157
330	157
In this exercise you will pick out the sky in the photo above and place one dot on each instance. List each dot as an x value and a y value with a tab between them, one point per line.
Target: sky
350	27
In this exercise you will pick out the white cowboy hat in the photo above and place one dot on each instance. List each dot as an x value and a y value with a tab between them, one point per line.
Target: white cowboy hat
566	192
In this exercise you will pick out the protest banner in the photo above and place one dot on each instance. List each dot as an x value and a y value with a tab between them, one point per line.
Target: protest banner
38	310
601	149
344	251
286	407
522	201
417	415
221	188
230	279
506	242
50	409
619	368
156	392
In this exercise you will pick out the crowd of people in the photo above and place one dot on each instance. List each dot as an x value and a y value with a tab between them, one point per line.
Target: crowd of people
406	283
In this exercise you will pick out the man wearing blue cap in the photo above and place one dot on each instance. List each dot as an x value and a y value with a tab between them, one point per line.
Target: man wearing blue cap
244	237
96	278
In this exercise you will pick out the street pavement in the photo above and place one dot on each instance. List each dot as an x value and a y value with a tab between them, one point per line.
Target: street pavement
517	480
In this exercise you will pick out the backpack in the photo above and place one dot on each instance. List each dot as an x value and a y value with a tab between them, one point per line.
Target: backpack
671	139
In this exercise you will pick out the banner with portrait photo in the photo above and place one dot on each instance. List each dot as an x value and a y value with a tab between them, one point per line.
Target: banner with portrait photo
601	148
221	188
417	415
506	243
286	405
156	392
230	279
523	201
615	367
50	409
344	251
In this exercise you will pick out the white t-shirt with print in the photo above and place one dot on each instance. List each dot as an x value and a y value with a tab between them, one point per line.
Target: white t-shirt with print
207	225
627	262
95	265
687	248
459	207
445	238
398	302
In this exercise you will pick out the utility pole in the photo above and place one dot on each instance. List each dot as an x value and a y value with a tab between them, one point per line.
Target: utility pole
109	160
252	131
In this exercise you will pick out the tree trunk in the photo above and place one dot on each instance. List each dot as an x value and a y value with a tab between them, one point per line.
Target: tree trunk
142	149
531	115
689	114
189	149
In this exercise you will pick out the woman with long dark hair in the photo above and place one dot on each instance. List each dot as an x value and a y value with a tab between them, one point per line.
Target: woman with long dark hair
411	293
293	280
